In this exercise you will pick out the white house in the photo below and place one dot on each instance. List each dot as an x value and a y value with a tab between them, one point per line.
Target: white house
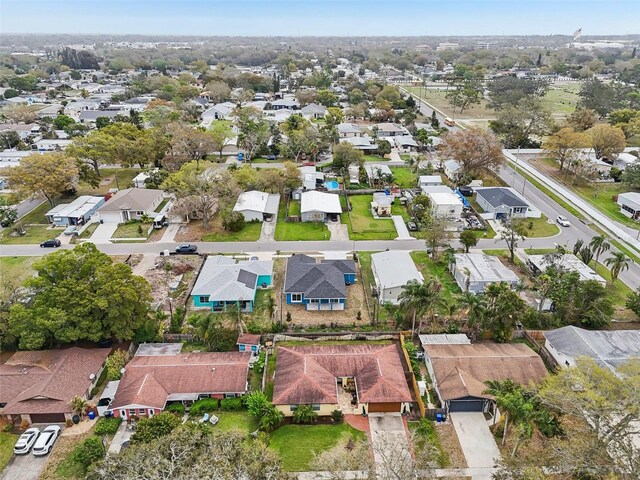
255	205
429	180
77	212
220	111
452	169
310	177
346	130
138	180
391	271
131	204
629	203
569	262
316	206
624	160
446	204
313	110
475	271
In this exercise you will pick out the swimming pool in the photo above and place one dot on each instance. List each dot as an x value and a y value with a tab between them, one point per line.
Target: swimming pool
331	185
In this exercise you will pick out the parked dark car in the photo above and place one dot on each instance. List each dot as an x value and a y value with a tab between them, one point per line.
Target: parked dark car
467	191
271	157
53	243
412	227
186	248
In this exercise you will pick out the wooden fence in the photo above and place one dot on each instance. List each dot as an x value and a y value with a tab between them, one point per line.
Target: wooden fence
414	383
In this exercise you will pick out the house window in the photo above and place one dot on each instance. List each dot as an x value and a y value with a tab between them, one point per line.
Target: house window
334	300
229	395
203	299
132	412
293	408
315	406
314	300
139	213
142	411
296	297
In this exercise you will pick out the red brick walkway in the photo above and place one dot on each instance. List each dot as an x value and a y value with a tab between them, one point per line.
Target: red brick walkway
359	422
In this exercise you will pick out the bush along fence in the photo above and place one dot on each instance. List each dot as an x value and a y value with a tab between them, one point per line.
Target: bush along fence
413	364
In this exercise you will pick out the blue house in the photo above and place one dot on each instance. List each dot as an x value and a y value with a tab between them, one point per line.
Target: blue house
318	285
223	282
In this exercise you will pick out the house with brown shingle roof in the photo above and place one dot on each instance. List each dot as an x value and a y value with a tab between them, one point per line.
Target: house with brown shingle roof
356	379
154	379
38	386
459	371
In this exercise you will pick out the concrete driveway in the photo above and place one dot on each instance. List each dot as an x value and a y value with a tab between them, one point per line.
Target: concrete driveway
390	445
339	231
104	232
477	442
268	230
24	467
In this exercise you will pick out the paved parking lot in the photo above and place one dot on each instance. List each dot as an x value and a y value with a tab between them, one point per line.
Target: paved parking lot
24	467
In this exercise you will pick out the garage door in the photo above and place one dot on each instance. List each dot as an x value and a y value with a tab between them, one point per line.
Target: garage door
466	406
384	407
47	418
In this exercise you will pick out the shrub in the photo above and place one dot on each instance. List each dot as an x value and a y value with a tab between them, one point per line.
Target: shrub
107	425
116	361
89	451
305	414
233	221
176	408
206	405
229	404
257	403
148	429
271	419
8	428
337	416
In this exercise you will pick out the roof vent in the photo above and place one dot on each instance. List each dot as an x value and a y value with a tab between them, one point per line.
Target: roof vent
213	369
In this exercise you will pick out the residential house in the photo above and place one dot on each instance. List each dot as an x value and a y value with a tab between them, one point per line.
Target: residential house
429	180
446	204
140	179
452	169
38	386
568	262
257	206
377	172
220	111
405	143
349	130
629	203
355	379
609	348
392	270
311	178
51	144
131	204
502	202
318	285
381	204
154	379
459	372
313	110
223	282
89	117
285	104
77	212
444	339
474	272
249	342
624	160
390	130
319	206
24	131
361	143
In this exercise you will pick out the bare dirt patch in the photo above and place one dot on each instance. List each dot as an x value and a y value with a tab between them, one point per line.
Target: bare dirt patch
166	272
449	440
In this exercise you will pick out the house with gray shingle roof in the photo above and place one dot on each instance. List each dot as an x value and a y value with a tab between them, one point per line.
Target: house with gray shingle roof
222	283
318	285
502	202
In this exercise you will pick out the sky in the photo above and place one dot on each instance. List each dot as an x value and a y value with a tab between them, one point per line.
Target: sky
321	17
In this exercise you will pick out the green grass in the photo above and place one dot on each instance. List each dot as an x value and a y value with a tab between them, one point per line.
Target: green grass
120	178
619	291
439	270
69	468
297	444
288	231
37	214
540	227
374	158
249	233
562	99
600	196
161	206
130	230
362	225
403	177
35	234
294	208
16	267
7	441
536	251
87	232
398	209
239	420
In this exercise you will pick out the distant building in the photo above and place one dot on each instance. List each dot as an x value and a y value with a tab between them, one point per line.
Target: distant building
569	262
629	203
474	272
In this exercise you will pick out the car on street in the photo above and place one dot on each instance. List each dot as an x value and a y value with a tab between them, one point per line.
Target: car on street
563	221
52	243
26	441
45	441
186	248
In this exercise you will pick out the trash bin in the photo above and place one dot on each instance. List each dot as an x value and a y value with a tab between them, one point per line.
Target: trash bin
91	415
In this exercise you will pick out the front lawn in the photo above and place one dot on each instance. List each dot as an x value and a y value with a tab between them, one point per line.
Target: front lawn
239	420
297	444
362	225
374	158
35	234
294	208
131	230
249	233
7	441
37	214
539	227
289	231
403	177
16	267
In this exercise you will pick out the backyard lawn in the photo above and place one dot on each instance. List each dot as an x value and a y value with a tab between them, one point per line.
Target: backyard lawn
235	421
403	177
120	178
439	269
249	233
7	441
297	444
288	231
362	225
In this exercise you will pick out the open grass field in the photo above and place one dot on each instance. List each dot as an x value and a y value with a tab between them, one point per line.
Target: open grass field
437	98
216	233
35	234
297	444
562	99
362	225
403	177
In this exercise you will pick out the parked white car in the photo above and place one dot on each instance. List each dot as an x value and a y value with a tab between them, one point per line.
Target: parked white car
26	441
45	441
563	221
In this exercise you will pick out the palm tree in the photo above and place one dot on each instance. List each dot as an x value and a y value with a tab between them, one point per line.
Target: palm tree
79	405
617	263
432	298
414	298
269	305
599	245
501	391
475	308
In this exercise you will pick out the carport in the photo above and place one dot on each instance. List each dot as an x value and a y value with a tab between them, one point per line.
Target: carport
47	418
469	404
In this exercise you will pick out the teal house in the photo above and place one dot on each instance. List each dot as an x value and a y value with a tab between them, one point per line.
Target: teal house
223	282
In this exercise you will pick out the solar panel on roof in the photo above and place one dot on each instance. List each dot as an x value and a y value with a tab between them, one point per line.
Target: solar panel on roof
247	278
